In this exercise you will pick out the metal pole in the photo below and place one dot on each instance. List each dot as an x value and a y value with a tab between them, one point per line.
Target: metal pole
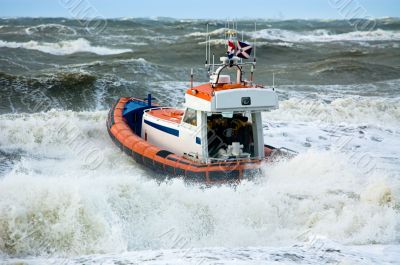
191	78
209	49
255	40
273	80
206	46
213	62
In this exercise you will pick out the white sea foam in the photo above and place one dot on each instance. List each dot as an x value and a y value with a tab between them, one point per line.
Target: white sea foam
317	250
56	203
383	112
51	29
325	35
64	47
319	35
214	42
109	62
211	33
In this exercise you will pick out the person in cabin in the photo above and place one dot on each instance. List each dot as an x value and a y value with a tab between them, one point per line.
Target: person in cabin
242	131
215	125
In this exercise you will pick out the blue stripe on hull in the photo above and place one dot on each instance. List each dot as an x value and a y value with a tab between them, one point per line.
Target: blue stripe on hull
163	128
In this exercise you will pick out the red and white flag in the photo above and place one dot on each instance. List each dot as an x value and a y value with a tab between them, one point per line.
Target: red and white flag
231	49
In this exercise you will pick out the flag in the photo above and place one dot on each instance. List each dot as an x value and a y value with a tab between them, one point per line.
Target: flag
231	49
244	50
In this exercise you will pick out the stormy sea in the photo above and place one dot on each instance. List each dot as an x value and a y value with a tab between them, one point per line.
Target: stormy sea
69	196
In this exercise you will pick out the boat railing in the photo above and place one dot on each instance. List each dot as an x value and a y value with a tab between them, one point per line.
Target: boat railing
159	119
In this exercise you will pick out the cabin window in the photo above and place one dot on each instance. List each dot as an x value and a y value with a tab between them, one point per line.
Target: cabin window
225	129
190	117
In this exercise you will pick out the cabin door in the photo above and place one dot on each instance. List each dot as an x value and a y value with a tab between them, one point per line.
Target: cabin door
190	134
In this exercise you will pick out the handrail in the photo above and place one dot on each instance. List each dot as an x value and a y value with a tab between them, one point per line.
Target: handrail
158	119
226	65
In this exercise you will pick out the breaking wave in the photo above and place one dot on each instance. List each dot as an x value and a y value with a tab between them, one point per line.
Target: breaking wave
211	33
319	35
357	110
52	202
65	90
325	35
51	29
63	47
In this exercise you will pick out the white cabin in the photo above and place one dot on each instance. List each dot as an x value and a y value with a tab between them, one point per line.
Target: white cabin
221	119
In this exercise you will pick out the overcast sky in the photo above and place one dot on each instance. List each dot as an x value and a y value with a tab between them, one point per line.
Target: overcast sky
275	9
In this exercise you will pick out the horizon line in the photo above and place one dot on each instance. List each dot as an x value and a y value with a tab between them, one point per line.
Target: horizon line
176	18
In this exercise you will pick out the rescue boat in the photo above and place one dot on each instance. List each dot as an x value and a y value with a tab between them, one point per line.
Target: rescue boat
216	137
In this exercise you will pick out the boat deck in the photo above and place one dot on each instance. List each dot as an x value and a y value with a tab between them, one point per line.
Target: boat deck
206	91
167	114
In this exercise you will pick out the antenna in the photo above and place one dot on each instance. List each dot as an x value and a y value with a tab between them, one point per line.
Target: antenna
241	60
225	31
236	30
206	46
255	40
191	78
209	48
213	63
273	81
252	74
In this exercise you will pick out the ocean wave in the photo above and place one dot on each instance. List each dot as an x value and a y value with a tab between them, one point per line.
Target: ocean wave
221	42
117	207
51	29
140	61
382	89
34	128
325	35
355	110
125	39
344	68
64	47
64	79
211	33
67	89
